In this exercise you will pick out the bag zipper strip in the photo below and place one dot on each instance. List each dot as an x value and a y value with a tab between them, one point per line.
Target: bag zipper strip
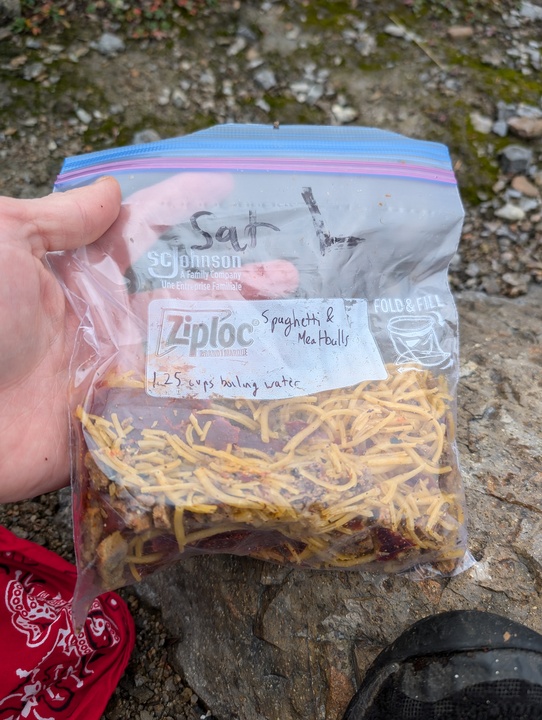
258	164
294	141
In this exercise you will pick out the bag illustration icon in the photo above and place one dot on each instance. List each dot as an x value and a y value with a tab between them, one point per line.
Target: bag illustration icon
415	339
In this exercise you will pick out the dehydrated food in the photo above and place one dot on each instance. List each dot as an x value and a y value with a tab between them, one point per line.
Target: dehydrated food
267	354
353	477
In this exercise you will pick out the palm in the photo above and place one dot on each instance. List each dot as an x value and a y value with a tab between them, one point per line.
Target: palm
33	343
38	326
36	335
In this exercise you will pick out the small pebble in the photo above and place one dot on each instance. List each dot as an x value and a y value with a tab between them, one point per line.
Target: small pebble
110	44
510	212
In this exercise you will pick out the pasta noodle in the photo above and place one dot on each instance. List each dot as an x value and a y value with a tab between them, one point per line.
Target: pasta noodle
359	477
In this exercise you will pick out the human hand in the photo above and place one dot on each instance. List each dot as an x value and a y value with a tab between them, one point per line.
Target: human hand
97	274
37	330
38	327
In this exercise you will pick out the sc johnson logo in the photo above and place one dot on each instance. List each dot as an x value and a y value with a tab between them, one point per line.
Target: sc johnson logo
198	332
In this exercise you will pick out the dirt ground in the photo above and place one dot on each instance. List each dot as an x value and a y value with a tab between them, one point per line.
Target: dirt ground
452	72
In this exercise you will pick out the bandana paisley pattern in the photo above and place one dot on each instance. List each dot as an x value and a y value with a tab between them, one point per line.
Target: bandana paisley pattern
47	671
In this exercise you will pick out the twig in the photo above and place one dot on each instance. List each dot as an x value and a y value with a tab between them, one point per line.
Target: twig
423	47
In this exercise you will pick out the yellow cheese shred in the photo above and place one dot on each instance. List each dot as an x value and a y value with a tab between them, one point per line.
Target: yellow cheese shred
321	471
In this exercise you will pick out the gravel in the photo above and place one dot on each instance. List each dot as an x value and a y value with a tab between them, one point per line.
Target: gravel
85	83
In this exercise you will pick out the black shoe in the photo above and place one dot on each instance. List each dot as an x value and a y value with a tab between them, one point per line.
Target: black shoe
459	665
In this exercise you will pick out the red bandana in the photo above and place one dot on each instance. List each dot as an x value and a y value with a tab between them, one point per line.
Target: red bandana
46	671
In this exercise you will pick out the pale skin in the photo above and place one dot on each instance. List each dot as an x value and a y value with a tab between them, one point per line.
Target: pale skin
37	330
38	326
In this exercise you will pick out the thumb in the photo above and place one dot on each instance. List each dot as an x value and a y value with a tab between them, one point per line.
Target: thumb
67	220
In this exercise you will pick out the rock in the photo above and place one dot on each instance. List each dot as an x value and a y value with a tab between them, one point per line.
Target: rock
343	114
208	78
32	71
395	30
366	44
315	93
526	127
473	269
529	204
524	186
84	116
460	32
247	33
491	286
300	89
179	98
500	128
263	642
237	46
519	281
505	111
9	9
531	11
263	105
481	123
265	78
528	111
515	159
163	97
145	136
109	44
510	212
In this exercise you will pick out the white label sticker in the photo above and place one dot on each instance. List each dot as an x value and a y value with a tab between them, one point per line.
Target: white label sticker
259	349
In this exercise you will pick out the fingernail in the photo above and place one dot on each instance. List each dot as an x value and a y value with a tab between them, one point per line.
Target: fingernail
102	178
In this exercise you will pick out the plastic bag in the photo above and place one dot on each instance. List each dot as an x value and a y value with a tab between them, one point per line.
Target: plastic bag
268	354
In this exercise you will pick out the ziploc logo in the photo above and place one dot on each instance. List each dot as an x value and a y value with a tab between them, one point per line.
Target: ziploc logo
203	332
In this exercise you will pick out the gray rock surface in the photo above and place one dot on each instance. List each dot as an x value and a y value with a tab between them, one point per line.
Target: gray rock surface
259	642
109	44
10	8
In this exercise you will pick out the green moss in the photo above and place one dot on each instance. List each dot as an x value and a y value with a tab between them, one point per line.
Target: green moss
328	15
448	115
200	121
290	112
107	134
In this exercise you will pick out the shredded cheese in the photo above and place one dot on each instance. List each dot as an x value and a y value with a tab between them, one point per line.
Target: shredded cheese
321	470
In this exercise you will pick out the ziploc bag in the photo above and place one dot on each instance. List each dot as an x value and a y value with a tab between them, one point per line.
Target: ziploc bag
267	356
